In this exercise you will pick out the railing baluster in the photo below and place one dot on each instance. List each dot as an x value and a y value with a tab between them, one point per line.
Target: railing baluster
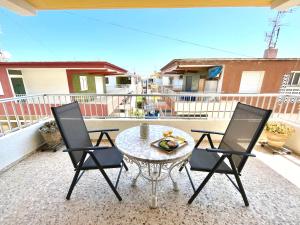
34	109
59	100
29	111
90	104
207	104
263	103
225	107
22	112
213	108
218	115
280	107
119	108
40	107
84	106
15	114
7	116
269	102
45	108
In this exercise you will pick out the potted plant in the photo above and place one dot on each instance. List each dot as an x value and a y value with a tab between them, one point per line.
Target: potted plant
277	133
51	134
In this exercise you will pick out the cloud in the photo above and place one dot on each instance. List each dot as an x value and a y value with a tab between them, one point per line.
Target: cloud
4	55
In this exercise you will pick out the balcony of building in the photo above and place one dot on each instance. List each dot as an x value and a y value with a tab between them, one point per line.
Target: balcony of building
34	182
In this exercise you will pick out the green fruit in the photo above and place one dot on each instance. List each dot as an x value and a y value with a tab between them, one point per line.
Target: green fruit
164	144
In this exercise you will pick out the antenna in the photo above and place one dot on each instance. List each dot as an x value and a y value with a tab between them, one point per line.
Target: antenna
271	38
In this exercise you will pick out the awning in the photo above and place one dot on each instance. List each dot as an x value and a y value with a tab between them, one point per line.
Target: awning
214	72
29	7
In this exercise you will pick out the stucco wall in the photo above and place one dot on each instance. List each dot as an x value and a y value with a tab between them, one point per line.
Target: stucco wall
90	83
111	81
46	81
16	145
5	83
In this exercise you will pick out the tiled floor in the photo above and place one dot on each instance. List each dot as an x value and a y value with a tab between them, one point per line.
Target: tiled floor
33	192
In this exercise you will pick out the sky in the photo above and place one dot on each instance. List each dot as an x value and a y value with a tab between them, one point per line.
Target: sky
144	40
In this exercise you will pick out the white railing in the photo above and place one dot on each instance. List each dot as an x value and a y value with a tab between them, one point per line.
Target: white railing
17	113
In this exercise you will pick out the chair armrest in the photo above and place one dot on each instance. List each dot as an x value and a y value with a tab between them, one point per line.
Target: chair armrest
231	152
102	130
207	132
96	148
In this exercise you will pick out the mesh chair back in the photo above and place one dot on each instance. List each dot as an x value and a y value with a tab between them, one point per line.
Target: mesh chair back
72	128
243	131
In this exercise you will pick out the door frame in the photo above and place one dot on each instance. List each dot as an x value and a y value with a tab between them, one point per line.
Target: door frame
103	80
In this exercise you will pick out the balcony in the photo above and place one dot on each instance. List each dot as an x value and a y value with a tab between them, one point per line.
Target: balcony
33	183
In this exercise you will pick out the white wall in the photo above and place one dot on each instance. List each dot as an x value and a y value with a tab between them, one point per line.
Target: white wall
165	81
45	81
18	144
111	81
293	142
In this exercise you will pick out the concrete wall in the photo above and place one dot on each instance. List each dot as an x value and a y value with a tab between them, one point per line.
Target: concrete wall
17	145
293	142
45	81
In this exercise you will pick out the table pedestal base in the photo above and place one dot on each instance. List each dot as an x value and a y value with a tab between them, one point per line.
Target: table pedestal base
155	172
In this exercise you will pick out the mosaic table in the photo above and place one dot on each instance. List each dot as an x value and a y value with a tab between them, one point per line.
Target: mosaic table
154	164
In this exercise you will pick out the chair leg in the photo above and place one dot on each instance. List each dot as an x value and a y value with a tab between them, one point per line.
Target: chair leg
74	182
190	178
117	182
239	183
206	179
183	165
106	177
76	178
125	166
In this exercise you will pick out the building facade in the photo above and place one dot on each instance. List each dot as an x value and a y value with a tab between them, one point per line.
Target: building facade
236	75
21	78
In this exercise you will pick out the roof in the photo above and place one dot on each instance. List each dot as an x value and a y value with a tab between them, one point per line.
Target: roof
67	64
29	7
209	62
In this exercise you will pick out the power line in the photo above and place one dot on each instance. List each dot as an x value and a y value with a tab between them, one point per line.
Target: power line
159	35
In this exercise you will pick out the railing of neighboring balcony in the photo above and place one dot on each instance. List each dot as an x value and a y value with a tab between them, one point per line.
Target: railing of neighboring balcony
17	113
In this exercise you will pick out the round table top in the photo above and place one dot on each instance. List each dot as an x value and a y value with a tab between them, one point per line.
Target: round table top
131	145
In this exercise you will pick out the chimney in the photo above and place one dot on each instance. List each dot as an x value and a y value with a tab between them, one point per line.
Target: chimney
270	53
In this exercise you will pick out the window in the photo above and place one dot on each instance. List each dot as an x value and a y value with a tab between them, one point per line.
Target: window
1	89
294	79
18	85
83	83
106	80
14	72
251	81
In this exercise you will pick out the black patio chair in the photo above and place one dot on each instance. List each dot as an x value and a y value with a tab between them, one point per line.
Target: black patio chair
83	154
240	137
